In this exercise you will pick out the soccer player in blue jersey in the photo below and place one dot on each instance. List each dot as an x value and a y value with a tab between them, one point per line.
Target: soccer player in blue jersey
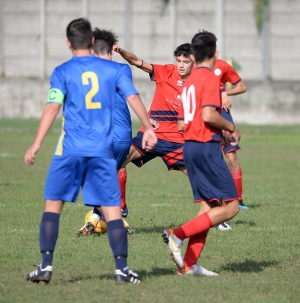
103	48
85	86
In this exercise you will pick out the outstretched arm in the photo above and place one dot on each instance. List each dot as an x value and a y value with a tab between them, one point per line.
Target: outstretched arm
132	59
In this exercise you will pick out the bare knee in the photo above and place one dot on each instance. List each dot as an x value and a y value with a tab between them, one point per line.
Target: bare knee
232	209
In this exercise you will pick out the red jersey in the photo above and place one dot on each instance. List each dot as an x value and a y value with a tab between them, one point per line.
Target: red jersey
166	102
225	73
201	89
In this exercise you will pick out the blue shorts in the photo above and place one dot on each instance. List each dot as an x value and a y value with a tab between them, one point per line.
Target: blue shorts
121	150
170	152
209	174
96	175
230	148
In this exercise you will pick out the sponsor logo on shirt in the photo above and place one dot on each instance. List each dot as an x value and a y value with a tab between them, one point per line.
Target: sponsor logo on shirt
179	82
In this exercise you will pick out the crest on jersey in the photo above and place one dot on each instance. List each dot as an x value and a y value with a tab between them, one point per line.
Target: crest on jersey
217	72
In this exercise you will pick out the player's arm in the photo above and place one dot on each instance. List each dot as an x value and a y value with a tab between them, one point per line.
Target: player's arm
134	60
239	88
149	137
180	124
211	116
226	103
50	112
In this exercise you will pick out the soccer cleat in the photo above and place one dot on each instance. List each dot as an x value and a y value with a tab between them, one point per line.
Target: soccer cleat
40	275
223	226
86	229
196	270
122	278
124	212
174	245
242	205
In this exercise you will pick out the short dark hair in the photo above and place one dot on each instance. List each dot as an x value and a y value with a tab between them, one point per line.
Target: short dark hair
80	34
183	50
104	41
204	46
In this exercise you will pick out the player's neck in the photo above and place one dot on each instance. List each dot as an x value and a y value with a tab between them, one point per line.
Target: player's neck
81	52
207	63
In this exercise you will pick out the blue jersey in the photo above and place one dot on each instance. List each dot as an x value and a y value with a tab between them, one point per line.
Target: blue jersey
88	88
122	130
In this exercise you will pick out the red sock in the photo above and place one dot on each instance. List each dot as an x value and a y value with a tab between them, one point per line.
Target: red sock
122	176
194	249
237	178
195	226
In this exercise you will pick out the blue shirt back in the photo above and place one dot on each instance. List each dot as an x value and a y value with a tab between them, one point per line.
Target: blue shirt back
89	85
123	130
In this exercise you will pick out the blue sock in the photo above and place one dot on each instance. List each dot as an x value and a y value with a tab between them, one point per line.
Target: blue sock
48	236
117	236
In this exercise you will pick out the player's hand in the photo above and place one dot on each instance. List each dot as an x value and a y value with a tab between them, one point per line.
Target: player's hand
149	139
154	123
227	138
237	136
29	157
116	47
226	103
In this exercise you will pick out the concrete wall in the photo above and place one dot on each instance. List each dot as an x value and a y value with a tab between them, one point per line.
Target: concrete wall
271	103
150	33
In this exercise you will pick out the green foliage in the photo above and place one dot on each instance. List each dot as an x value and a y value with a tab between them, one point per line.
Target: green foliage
260	13
258	261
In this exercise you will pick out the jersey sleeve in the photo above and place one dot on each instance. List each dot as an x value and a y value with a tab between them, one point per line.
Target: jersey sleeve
211	94
159	73
127	71
57	90
230	75
124	85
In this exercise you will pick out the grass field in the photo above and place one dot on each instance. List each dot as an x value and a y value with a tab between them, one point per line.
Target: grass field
258	261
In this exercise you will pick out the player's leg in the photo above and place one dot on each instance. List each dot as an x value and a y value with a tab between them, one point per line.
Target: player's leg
234	164
236	172
61	168
194	248
101	184
210	179
121	152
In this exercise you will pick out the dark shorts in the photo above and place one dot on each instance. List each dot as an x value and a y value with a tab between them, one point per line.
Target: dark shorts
121	150
209	175
96	175
170	152
229	148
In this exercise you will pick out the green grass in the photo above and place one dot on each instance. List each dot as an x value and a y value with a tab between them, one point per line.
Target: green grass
258	261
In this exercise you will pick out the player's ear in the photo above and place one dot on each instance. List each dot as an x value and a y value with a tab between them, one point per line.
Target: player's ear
93	41
217	54
69	44
192	58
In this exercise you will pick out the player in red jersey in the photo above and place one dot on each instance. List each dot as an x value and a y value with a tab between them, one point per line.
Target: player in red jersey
169	80
210	178
226	73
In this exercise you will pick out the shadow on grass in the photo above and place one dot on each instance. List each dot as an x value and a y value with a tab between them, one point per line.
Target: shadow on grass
156	272
249	266
244	222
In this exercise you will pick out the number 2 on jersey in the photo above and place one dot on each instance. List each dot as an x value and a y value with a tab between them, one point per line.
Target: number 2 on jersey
93	91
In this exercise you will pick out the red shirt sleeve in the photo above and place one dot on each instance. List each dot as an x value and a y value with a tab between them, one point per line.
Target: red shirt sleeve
230	75
160	72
